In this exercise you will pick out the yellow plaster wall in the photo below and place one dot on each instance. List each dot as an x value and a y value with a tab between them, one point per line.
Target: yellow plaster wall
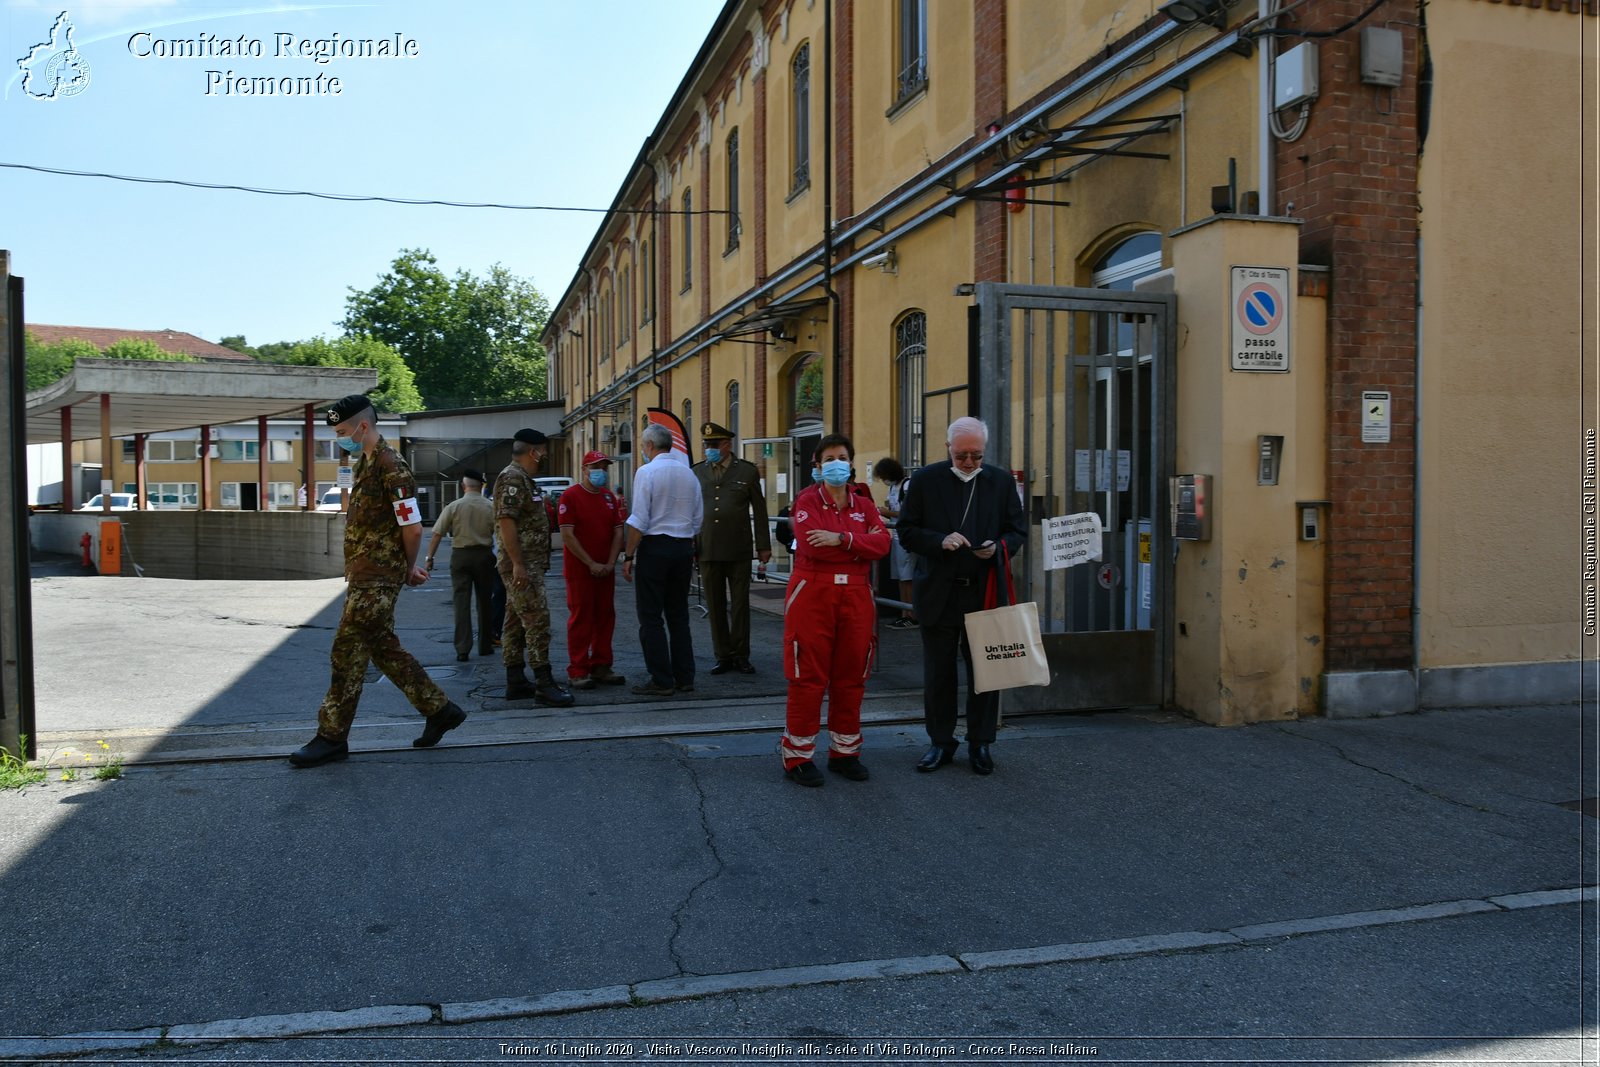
793	225
1503	184
1048	38
890	150
731	271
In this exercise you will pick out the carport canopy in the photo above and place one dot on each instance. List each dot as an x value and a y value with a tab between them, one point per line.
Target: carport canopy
154	397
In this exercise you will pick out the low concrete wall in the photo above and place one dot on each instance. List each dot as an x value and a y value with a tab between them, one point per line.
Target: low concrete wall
237	545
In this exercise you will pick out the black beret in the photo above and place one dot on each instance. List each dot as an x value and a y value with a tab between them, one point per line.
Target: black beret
710	431
354	404
530	437
476	476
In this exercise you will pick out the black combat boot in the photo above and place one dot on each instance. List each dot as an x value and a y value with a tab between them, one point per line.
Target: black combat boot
546	690
517	685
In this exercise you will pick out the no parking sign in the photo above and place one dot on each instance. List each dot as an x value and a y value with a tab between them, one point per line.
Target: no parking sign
1260	314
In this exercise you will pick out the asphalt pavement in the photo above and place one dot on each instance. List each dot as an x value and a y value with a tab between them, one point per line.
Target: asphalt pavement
636	881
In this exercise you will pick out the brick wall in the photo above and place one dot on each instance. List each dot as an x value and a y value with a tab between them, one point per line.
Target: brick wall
1353	177
989	105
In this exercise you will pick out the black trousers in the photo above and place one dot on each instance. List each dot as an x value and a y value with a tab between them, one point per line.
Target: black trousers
472	574
941	638
662	575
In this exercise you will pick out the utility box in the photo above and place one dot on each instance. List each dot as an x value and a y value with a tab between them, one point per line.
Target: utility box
1295	76
1383	56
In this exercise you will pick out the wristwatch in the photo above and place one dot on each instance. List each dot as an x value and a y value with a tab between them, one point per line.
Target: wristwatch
624	558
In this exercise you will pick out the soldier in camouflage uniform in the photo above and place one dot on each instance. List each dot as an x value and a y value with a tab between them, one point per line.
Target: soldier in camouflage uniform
382	534
522	534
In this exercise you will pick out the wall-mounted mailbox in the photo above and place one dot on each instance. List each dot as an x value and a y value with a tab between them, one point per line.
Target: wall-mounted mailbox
1269	450
1191	507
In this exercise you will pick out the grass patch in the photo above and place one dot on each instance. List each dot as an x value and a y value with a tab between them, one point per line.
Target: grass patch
15	773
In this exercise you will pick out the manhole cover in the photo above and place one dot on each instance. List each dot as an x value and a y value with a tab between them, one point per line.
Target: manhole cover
1589	807
442	672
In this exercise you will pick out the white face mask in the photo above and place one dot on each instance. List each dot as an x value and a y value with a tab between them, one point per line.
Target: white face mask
965	476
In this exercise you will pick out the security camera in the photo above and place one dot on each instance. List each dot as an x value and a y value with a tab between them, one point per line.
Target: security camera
874	262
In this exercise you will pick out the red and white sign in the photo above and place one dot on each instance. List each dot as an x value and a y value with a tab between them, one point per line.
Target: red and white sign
1260	313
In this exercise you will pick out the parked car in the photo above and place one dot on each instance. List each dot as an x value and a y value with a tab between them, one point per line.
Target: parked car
119	502
329	501
553	485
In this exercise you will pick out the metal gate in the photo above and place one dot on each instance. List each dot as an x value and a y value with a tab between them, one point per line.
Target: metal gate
1077	388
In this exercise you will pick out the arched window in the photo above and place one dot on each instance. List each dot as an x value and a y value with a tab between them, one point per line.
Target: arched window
1125	263
910	362
733	190
733	408
688	240
806	391
800	117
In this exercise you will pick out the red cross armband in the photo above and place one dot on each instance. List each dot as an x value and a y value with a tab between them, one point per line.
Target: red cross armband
406	512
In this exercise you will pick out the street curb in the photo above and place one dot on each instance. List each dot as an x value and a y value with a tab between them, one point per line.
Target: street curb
611	996
1356	919
1094	950
663	990
302	1023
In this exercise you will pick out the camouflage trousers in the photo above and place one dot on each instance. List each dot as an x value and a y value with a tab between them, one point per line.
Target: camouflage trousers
366	633
527	625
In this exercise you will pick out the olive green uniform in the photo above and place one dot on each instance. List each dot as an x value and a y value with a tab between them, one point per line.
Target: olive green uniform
375	567
527	624
733	529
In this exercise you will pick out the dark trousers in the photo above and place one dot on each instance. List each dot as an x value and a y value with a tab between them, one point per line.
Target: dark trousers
727	588
661	578
472	574
940	639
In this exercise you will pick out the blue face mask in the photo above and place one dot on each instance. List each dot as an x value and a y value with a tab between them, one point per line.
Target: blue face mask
816	475
713	455
349	444
836	471
597	479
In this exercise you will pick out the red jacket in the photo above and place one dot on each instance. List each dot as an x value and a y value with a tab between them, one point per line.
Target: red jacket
866	538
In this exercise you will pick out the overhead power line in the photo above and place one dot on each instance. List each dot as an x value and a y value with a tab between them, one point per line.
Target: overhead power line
352	197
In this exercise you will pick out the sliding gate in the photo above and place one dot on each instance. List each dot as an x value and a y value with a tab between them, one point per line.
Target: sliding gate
1077	388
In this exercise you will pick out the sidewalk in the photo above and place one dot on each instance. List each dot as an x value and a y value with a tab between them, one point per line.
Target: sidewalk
185	670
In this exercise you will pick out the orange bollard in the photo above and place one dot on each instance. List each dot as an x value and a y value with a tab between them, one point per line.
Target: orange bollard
111	548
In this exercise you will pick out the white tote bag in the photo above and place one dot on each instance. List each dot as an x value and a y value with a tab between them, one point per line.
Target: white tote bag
1007	651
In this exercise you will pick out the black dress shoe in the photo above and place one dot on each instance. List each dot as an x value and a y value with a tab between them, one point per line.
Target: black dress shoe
461	657
746	667
319	750
936	756
978	756
724	666
438	724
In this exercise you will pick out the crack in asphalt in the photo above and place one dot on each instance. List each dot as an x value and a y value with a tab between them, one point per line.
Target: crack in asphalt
678	913
1424	790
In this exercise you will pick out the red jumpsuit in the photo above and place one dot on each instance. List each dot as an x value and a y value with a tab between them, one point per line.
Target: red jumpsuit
828	622
594	516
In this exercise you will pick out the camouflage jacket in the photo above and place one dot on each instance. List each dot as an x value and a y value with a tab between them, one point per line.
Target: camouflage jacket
518	497
374	545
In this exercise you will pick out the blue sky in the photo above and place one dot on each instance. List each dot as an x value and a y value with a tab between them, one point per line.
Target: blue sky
538	102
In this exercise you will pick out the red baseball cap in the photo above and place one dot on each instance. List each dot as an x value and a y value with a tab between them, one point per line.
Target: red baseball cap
591	458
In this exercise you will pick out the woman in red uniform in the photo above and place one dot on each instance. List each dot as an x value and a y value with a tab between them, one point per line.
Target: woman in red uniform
828	620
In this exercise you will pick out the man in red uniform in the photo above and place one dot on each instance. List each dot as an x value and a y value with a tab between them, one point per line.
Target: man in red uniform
591	519
829	619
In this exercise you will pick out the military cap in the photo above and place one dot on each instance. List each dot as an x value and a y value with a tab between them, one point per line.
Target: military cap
530	437
472	475
354	404
710	431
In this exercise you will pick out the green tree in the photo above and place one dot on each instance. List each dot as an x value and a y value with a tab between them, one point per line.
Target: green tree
470	340
397	387
48	363
237	343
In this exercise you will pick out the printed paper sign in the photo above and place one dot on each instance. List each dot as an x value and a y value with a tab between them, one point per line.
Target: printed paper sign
1070	540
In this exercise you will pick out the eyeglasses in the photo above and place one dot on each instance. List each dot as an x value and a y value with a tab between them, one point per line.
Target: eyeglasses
967	457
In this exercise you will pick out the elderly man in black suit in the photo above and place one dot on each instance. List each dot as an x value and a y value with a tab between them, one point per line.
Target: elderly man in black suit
955	515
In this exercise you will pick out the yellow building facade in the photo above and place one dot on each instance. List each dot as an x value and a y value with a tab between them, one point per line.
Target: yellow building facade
1267	248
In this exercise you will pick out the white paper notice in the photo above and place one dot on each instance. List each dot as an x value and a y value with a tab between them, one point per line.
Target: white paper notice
1070	540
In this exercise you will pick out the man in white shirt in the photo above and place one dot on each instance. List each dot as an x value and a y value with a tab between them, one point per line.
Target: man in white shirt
664	517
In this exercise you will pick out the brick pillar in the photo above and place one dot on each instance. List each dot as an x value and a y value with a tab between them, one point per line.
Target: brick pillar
1353	177
758	212
843	77
704	281
989	105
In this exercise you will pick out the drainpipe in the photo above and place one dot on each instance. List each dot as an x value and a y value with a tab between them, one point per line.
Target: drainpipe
1416	499
834	303
1264	149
